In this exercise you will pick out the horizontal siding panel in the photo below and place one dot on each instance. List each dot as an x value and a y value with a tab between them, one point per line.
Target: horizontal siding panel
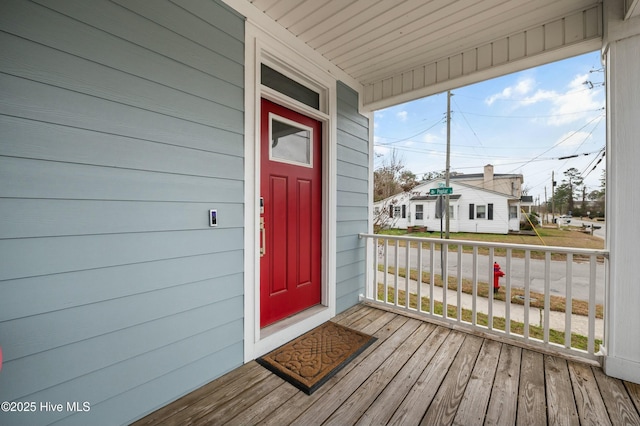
38	140
352	256
347	96
191	20
40	63
123	406
34	334
351	213
42	102
354	285
116	20
53	367
347	272
349	199
44	179
356	118
351	228
57	31
353	170
216	14
353	142
48	293
350	242
346	124
351	299
65	254
21	218
347	155
352	185
118	134
147	374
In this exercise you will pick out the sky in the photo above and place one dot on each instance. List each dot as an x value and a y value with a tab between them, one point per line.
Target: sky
523	123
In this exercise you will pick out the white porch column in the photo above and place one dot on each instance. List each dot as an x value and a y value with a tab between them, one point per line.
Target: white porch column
621	51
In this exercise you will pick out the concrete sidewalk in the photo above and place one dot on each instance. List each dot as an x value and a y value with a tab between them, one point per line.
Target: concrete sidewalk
579	323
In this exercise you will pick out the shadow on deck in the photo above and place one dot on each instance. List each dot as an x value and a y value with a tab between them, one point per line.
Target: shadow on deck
417	373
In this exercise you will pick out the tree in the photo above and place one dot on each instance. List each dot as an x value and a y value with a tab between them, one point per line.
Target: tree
573	182
432	176
392	178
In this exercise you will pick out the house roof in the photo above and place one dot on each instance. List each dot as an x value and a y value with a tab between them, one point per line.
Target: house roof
404	50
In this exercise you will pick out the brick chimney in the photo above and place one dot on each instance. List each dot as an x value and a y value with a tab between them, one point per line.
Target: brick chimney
488	177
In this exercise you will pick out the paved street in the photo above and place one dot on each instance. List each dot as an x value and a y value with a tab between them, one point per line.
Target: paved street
580	272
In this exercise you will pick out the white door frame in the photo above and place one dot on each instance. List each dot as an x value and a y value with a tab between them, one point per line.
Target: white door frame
261	48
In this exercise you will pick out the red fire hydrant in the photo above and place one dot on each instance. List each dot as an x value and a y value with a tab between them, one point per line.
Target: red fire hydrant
497	273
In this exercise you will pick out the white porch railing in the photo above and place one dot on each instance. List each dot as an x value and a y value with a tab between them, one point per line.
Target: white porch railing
552	297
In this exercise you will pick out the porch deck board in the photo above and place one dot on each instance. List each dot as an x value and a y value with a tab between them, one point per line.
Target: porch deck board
417	373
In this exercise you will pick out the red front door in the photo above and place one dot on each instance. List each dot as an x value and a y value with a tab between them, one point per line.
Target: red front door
291	191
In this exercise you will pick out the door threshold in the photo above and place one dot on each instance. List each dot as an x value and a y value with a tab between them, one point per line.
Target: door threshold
292	320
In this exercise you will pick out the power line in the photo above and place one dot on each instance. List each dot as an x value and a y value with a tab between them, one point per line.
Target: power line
565	139
531	116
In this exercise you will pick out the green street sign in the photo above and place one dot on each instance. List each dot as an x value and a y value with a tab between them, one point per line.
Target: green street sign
440	191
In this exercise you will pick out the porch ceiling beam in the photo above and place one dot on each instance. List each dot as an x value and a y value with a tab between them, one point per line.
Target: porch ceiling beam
631	9
576	33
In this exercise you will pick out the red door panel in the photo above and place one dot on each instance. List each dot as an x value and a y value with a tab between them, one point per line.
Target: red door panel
290	184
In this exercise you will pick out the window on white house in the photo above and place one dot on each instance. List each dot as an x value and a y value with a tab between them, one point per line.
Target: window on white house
419	211
513	212
397	211
481	212
451	210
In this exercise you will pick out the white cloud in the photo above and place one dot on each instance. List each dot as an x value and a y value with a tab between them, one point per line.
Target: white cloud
577	103
402	115
518	90
429	138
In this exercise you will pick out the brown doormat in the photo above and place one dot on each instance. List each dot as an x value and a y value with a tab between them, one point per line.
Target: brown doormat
313	358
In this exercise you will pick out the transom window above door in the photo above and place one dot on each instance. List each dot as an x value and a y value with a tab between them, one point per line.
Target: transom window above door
291	142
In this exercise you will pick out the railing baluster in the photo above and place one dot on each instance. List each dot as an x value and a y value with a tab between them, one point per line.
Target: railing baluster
568	306
490	290
432	277
407	274
592	304
444	270
396	271
419	280
385	295
459	272
368	261
474	288
547	294
507	294
527	295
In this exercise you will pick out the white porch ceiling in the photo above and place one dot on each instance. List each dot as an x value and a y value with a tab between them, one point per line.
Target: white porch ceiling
403	49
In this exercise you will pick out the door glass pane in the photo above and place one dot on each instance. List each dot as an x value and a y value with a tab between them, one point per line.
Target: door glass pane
290	143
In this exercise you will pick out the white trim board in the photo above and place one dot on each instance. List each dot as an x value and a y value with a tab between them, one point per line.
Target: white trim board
261	47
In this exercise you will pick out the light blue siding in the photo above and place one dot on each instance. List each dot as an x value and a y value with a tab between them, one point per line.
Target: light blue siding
353	187
121	125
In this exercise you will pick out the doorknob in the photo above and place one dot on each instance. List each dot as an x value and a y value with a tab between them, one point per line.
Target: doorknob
263	238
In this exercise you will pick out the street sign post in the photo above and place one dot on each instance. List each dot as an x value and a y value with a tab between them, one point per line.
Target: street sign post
441	191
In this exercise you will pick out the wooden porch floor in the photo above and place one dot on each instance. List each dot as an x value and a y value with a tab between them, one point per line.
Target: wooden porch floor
417	373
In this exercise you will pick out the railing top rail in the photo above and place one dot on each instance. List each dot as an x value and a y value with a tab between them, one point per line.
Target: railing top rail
554	249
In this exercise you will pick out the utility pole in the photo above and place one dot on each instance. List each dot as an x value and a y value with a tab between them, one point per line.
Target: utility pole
546	207
553	191
448	165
